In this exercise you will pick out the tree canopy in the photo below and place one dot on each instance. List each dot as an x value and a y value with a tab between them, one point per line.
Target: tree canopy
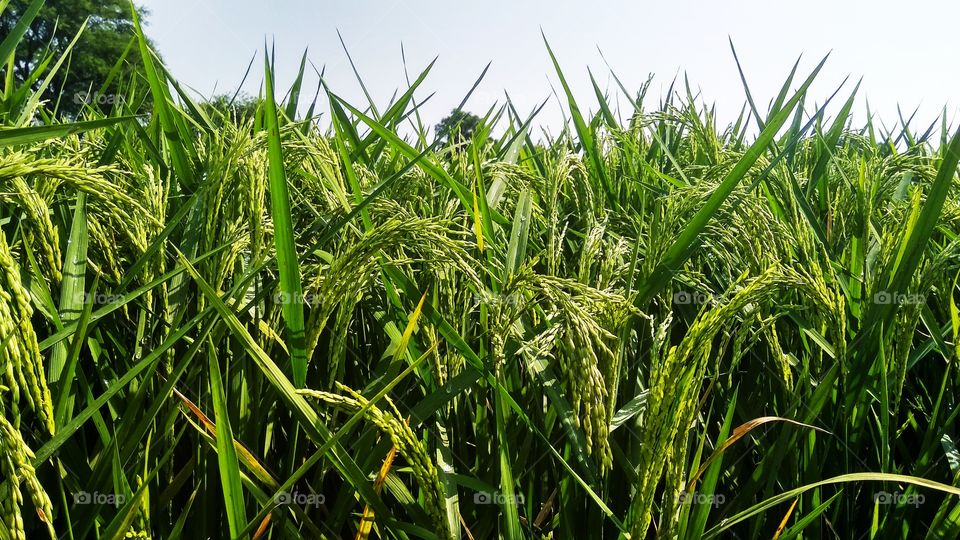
235	108
457	127
107	39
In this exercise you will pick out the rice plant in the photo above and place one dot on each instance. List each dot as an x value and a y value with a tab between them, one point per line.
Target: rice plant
223	325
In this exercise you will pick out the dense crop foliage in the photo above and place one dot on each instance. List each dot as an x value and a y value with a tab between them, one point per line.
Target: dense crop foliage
224	325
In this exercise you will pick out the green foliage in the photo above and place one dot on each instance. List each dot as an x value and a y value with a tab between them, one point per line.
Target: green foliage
217	323
457	127
107	40
235	109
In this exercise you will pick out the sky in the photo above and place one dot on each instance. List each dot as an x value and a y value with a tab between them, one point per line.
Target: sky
908	54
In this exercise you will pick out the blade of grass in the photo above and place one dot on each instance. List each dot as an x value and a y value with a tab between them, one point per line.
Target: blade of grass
287	260
226	453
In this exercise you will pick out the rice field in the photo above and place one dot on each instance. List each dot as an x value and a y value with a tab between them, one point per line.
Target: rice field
648	325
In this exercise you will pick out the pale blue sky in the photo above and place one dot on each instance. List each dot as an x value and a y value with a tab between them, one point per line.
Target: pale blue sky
907	52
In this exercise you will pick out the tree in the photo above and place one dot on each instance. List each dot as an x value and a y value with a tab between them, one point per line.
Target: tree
457	127
108	36
236	109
